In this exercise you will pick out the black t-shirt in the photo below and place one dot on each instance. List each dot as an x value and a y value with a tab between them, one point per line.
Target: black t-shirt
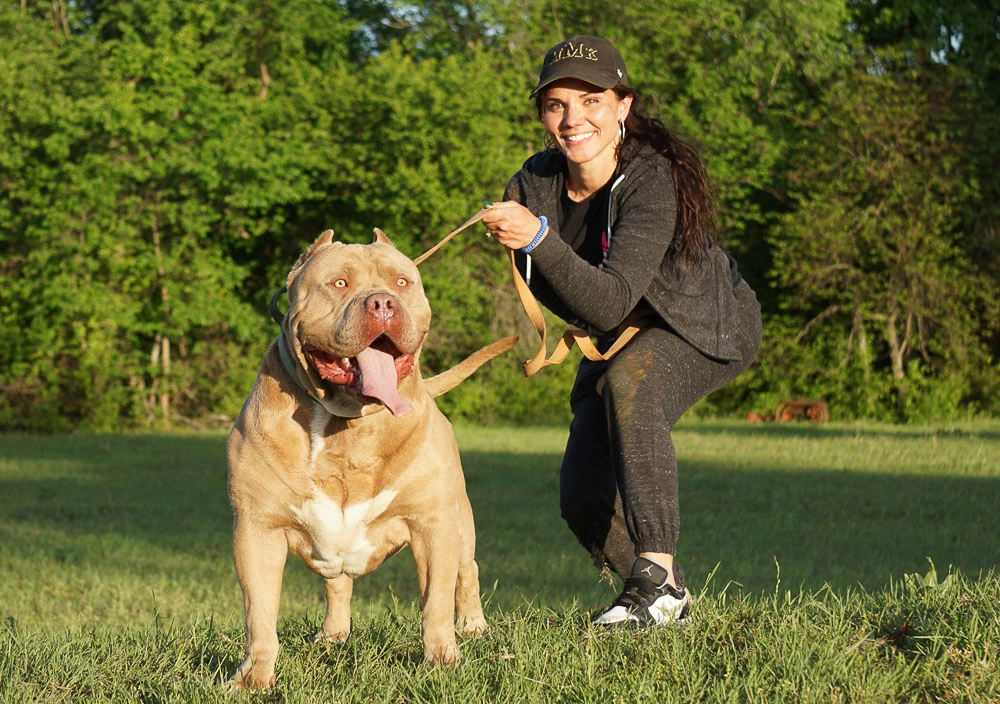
583	225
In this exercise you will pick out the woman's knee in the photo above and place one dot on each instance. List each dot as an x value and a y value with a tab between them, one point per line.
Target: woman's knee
630	371
637	390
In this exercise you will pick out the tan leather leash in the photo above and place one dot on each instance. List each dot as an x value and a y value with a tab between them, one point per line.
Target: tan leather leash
569	338
534	311
468	223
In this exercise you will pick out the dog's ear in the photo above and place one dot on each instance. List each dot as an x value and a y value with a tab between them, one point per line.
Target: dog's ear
324	239
382	238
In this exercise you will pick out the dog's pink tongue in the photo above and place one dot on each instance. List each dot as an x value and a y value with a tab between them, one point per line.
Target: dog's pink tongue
378	380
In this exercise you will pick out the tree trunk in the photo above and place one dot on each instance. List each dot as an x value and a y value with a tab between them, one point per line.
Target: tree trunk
163	349
165	365
865	356
897	353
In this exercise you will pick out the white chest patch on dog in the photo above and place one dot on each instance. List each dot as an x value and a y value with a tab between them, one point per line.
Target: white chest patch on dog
339	536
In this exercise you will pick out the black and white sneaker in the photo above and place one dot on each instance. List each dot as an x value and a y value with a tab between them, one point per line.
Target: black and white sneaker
647	599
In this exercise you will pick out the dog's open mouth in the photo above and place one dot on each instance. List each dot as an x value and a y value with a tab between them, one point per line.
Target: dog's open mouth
374	372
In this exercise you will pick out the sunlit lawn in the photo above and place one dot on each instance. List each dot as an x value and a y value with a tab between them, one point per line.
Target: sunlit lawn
118	537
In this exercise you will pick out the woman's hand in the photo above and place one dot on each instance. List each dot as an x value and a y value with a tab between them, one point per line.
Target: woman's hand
511	224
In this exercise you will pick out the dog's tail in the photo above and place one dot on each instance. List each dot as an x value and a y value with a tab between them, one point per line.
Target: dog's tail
448	380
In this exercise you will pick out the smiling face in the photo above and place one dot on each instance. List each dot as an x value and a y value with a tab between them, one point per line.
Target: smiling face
583	120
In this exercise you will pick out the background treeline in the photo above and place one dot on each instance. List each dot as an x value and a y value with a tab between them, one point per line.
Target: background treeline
163	163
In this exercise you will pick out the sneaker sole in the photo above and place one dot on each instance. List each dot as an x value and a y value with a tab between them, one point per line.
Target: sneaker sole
645	618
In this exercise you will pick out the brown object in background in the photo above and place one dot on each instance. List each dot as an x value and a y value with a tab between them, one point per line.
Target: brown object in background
816	411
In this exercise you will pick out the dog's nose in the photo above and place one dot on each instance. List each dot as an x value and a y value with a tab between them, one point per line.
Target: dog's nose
381	305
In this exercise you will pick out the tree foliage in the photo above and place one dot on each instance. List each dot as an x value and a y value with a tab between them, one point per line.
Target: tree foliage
163	164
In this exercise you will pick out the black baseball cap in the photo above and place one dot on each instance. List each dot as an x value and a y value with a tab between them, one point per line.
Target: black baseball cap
591	59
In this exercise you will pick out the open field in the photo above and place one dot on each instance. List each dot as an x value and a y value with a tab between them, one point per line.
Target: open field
802	544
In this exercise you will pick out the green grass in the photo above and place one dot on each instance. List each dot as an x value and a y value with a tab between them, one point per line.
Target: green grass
802	543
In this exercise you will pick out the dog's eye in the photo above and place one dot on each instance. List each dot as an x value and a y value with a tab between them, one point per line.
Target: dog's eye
340	283
402	281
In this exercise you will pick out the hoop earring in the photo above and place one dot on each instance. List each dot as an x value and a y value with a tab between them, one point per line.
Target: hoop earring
621	131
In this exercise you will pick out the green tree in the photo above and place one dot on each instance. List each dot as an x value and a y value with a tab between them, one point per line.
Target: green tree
962	36
153	155
874	246
163	165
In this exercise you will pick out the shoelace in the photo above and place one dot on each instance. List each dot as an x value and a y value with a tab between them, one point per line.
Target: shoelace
641	592
638	591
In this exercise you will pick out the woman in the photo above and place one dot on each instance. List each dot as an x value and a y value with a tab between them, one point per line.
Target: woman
613	226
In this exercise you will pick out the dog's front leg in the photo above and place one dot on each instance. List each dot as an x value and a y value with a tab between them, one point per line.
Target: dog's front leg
435	546
260	561
337	624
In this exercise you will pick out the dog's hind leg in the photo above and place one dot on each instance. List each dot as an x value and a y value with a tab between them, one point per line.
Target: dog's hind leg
337	624
467	600
260	560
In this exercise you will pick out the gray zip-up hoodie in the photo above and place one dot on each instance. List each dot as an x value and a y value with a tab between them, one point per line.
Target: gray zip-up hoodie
698	303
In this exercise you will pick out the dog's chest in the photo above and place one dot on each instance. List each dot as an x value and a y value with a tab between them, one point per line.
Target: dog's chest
342	538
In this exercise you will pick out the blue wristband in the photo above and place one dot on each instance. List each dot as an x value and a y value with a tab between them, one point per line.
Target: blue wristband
538	238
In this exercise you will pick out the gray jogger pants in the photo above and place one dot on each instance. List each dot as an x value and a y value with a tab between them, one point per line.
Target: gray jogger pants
618	481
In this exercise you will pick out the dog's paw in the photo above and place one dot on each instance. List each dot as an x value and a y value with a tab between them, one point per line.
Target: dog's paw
250	680
443	655
338	637
473	626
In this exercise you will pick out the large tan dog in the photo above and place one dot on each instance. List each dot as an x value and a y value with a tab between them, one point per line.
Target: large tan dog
341	456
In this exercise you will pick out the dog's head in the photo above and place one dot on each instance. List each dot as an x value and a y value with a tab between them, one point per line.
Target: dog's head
356	321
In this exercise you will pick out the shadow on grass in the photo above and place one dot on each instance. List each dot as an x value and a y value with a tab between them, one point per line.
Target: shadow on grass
835	528
166	490
797	429
819	527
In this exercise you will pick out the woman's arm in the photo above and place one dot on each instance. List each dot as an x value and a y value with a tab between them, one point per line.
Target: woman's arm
641	234
539	286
